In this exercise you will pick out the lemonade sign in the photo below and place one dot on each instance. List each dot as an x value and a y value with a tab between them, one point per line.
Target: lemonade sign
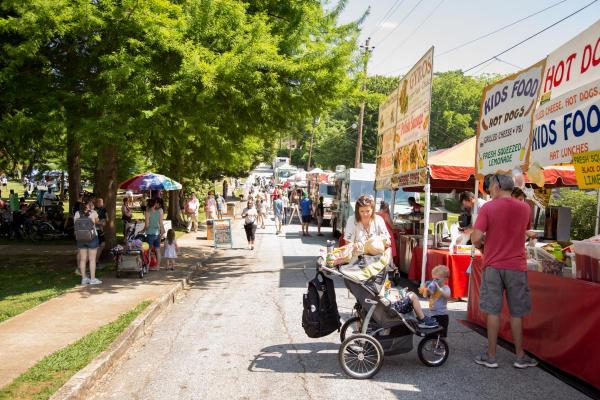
505	120
587	169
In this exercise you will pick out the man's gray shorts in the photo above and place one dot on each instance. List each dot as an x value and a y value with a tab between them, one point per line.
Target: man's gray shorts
495	281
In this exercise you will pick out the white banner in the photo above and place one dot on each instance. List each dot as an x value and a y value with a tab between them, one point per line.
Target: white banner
412	126
567	118
505	120
386	131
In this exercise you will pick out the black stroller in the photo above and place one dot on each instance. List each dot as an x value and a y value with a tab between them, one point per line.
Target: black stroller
377	329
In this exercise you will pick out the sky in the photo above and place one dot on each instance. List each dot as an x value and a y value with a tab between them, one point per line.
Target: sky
401	38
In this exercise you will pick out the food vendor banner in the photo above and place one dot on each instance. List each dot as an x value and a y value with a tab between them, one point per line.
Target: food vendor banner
386	131
505	120
567	117
587	169
412	125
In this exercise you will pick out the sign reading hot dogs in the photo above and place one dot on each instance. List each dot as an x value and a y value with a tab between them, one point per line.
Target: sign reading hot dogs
411	143
505	120
386	130
567	116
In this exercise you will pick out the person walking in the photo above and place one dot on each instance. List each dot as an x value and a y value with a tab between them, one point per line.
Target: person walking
278	213
85	222
210	206
250	214
154	228
320	214
191	211
502	224
306	211
171	250
126	215
220	205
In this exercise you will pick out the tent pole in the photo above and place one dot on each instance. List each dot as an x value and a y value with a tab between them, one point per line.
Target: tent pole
598	215
426	229
393	205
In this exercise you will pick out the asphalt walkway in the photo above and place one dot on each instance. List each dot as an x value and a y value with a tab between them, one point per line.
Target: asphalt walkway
237	334
28	337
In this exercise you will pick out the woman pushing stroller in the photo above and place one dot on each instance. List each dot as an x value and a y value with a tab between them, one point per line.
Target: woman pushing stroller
367	225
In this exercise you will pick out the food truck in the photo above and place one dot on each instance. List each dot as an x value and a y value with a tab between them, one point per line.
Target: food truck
283	173
322	184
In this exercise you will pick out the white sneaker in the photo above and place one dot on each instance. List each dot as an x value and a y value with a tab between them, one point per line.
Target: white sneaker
95	281
85	281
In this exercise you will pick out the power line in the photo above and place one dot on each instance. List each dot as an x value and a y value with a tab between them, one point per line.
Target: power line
401	21
413	32
387	15
508	63
532	36
460	46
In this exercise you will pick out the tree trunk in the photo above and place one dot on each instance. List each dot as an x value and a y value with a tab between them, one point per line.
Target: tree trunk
106	188
74	169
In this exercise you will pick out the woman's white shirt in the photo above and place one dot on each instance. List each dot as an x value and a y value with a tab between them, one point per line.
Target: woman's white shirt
355	232
249	215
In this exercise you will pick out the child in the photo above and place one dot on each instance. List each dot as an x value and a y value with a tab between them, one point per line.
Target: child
438	292
171	249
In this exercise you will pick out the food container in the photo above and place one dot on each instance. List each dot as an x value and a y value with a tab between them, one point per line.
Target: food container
587	260
547	263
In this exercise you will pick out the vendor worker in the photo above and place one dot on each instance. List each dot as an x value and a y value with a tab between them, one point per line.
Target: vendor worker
416	207
467	201
365	224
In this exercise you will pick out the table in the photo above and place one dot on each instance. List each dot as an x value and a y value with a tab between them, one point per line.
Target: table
456	263
563	326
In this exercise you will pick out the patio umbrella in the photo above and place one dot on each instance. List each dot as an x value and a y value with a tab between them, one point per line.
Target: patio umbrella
150	181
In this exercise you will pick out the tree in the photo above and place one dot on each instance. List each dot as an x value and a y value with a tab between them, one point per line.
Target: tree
455	103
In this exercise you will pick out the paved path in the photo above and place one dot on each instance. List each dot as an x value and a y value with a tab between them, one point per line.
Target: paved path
28	337
237	335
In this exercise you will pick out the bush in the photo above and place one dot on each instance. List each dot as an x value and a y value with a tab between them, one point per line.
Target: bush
452	205
583	210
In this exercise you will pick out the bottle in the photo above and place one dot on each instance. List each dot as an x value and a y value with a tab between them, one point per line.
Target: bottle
329	257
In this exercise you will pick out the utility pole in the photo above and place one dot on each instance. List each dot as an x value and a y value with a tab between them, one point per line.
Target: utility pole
367	52
312	137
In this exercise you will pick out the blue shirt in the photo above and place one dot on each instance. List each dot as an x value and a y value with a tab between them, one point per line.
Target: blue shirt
277	207
306	206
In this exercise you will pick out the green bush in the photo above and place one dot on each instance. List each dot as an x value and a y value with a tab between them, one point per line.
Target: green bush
583	210
452	205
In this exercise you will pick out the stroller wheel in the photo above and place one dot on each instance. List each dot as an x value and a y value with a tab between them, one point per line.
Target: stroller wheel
433	351
350	327
360	356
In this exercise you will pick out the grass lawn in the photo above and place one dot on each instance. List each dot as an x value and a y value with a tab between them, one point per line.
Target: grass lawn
16	186
47	376
31	280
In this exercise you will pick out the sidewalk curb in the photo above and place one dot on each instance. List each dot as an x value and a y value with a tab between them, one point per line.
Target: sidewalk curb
79	385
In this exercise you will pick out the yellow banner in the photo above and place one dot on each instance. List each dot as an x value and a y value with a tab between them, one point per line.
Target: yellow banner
587	169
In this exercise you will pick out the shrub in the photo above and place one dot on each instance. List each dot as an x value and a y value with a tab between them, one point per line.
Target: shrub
583	210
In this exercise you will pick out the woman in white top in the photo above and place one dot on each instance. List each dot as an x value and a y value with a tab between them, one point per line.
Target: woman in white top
250	214
365	224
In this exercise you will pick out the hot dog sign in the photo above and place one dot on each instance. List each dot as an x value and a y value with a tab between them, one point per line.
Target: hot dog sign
505	121
567	116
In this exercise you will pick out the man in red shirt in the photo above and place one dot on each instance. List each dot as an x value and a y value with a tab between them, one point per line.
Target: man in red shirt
502	224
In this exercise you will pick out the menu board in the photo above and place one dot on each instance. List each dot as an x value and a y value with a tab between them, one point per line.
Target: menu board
386	130
505	120
411	142
567	116
222	233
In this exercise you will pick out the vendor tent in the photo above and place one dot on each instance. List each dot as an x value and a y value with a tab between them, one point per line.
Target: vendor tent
454	169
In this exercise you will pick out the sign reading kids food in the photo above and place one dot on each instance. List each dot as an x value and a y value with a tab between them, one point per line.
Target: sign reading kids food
505	120
385	141
412	125
567	117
